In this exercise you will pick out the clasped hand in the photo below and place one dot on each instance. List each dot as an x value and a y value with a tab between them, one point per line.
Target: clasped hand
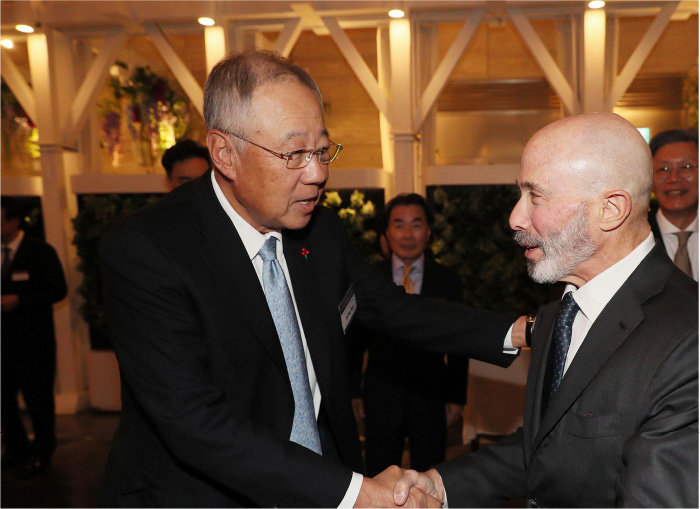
398	488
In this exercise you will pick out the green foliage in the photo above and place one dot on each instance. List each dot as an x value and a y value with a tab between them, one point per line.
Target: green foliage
359	219
97	213
472	236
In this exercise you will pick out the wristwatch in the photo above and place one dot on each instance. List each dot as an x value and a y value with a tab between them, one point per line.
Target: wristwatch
529	325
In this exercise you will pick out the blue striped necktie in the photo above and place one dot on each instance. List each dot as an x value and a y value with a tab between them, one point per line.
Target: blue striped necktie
279	300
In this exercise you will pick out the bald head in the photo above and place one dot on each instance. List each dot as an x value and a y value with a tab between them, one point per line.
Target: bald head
596	152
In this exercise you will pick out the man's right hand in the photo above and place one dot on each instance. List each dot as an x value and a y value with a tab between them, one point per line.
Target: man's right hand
428	482
379	492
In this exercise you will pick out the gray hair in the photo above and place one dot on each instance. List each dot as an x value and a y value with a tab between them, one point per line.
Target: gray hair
229	88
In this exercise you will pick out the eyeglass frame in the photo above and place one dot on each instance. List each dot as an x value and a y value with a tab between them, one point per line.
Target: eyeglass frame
286	156
683	171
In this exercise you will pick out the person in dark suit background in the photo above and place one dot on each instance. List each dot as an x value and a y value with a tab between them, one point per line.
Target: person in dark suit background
185	161
405	393
227	303
675	223
32	281
611	412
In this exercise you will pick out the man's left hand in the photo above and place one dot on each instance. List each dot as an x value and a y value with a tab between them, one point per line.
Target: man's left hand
452	412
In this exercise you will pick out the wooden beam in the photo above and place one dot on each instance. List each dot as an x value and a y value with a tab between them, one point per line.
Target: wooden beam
19	86
448	64
93	82
640	54
551	71
357	64
182	74
288	37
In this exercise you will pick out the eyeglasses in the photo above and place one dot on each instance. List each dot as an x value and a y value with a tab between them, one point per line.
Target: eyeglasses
684	170
298	159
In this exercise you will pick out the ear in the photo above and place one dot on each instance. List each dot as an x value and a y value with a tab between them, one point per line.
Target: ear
223	155
616	207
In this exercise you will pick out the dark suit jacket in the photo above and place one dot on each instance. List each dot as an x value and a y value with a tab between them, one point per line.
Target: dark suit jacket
207	402
622	427
36	277
410	370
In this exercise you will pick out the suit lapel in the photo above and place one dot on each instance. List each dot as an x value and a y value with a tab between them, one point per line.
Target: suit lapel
610	330
541	341
223	250
306	295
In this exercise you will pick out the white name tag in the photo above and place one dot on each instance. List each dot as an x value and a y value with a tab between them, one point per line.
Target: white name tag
347	308
20	275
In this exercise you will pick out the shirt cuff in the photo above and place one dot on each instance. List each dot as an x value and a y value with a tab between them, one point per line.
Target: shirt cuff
508	343
353	491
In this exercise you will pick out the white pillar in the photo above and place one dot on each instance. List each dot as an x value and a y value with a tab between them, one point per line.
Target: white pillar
214	45
401	107
56	203
594	60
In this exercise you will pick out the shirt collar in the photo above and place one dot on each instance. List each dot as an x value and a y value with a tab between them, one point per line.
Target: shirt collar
397	264
667	227
252	239
595	295
14	245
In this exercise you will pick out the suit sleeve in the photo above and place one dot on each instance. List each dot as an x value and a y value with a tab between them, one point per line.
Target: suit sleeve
48	284
424	323
163	357
660	461
488	477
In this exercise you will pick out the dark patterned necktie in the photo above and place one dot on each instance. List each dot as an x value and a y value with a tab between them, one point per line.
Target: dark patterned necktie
279	300
560	347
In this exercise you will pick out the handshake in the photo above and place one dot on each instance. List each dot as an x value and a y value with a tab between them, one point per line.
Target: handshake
395	487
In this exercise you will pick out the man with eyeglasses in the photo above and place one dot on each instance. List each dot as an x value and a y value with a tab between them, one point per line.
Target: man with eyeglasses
228	302
675	223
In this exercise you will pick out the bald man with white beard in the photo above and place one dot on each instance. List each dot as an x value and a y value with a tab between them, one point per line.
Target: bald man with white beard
611	412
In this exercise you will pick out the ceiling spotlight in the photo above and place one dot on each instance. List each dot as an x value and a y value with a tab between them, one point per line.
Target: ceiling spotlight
207	22
25	29
396	13
596	4
7	43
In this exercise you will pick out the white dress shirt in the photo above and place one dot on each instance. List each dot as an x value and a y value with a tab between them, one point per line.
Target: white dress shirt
596	293
253	241
668	234
416	274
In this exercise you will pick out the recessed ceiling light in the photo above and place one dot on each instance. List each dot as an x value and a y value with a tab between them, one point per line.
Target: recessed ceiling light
207	22
7	43
396	13
596	4
26	29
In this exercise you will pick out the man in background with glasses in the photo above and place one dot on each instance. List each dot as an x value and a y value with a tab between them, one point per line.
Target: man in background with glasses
228	302
675	223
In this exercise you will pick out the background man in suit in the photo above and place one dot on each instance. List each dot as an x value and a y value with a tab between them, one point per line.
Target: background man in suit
675	223
32	280
228	302
185	161
409	393
620	427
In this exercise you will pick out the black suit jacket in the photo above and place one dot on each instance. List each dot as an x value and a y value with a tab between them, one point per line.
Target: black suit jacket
36	277
408	369
622	427
207	402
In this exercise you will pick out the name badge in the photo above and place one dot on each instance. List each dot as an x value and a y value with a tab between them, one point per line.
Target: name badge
20	275
347	308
